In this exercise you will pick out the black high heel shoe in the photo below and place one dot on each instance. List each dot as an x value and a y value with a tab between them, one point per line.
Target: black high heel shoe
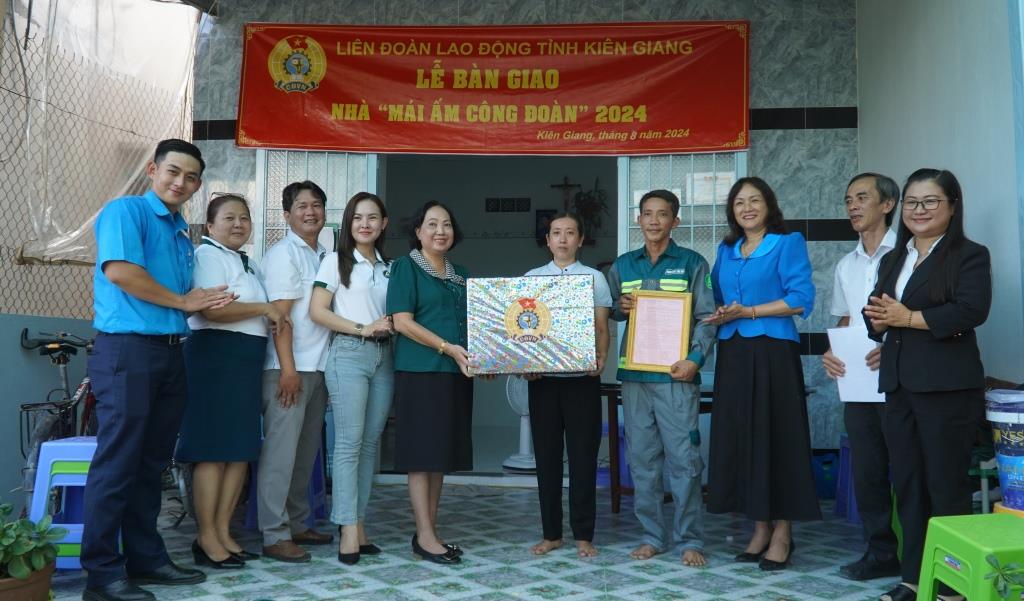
367	549
245	555
202	559
770	565
747	557
349	559
446	558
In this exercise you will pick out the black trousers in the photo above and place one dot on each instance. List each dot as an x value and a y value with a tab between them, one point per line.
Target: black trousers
870	467
569	407
140	400
930	435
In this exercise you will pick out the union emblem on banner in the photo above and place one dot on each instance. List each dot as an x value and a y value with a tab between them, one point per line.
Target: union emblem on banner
297	64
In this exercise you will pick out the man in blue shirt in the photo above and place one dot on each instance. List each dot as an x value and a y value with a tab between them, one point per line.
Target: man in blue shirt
141	288
662	410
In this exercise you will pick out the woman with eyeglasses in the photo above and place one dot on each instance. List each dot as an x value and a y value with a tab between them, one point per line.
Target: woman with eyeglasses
349	297
933	290
433	389
224	356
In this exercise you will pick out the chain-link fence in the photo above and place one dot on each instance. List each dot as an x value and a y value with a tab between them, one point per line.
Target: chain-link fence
75	133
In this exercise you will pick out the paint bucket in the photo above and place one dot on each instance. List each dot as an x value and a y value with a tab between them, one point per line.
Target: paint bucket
1005	410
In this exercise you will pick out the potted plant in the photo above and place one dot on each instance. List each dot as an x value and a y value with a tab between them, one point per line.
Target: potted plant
28	553
591	205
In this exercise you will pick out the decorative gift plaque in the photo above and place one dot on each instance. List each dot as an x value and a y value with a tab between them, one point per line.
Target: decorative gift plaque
659	330
535	324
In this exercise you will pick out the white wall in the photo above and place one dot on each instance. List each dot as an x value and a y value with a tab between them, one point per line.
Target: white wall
934	86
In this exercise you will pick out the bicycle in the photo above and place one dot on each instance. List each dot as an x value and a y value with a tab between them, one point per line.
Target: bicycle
53	419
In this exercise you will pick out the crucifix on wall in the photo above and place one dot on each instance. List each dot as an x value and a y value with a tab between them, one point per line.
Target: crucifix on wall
566	189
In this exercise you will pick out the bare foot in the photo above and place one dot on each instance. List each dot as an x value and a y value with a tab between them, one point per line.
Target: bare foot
694	558
644	551
584	548
544	546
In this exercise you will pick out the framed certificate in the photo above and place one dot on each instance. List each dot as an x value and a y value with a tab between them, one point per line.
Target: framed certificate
659	330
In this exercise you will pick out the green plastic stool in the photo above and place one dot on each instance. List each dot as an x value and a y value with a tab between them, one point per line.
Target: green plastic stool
955	550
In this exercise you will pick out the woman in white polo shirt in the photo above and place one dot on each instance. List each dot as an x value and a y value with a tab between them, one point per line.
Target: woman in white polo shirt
568	406
349	297
224	357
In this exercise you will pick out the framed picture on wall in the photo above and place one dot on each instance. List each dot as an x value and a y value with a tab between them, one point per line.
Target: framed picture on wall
543	223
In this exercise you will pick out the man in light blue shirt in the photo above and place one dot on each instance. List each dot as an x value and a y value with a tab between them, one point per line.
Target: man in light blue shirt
141	289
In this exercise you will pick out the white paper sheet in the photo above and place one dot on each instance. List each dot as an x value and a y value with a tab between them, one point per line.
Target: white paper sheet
860	384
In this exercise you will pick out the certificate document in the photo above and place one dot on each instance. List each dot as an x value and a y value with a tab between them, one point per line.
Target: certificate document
659	330
860	384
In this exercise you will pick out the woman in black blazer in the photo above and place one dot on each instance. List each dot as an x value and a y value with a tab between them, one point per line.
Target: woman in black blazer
933	290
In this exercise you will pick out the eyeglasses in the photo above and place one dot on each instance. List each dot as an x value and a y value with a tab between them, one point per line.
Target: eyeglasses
930	204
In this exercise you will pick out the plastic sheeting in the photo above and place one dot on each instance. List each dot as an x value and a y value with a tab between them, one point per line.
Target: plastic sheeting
87	88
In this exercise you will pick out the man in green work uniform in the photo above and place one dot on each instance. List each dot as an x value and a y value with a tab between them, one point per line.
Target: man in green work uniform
661	410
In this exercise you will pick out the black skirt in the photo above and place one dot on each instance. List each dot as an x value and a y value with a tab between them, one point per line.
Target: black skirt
760	456
434	422
225	392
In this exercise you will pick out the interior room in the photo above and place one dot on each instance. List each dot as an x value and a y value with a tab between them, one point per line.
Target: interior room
805	95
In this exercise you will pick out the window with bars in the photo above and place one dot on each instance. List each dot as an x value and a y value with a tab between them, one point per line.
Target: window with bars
701	181
339	174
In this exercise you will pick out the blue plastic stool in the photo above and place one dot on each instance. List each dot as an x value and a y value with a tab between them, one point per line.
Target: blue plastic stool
846	500
603	473
65	463
316	492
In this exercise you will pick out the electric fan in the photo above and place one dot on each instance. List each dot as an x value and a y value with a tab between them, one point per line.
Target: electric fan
517	392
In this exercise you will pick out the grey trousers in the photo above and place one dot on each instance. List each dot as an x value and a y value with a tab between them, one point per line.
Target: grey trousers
662	435
291	439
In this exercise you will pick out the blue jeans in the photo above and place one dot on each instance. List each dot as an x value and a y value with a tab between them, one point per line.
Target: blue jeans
360	381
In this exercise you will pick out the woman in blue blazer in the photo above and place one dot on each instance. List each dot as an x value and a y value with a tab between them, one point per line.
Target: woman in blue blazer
933	290
760	462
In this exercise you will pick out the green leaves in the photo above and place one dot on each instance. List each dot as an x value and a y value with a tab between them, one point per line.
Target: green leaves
1004	577
25	546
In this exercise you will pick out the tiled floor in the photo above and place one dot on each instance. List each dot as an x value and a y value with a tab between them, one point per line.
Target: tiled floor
496	526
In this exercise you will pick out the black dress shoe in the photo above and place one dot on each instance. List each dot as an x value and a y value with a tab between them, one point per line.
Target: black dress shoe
169	575
120	590
245	555
349	559
770	565
869	568
746	557
369	549
231	562
900	593
447	558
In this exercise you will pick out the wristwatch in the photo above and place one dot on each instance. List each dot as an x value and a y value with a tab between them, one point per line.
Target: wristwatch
359	329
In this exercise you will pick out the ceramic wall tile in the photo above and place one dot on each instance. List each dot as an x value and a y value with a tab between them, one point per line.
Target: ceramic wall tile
417	12
502	12
778	77
828	60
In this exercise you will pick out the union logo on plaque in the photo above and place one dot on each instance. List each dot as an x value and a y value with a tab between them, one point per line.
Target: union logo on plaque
527	320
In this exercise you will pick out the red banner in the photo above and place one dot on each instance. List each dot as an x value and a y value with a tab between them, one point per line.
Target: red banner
637	88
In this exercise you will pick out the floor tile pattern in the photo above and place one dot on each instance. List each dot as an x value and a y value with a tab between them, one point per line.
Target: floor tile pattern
496	526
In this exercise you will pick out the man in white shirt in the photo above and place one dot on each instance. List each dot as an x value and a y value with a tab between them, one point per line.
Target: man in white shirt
871	201
294	393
